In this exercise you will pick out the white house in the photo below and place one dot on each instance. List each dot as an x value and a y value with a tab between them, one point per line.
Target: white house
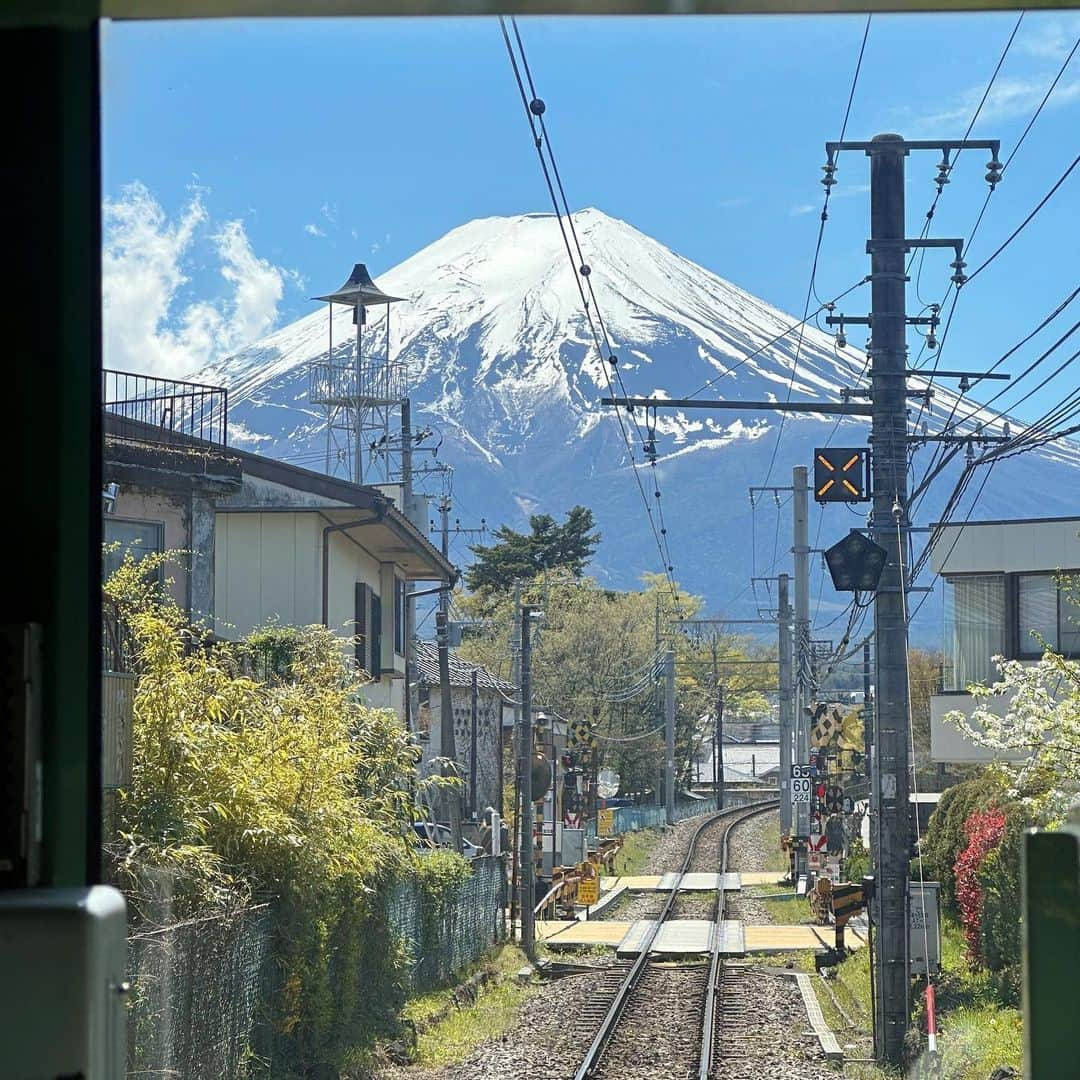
1001	588
265	541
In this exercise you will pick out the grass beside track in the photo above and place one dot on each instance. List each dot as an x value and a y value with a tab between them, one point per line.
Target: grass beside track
775	858
450	1028
633	856
976	1034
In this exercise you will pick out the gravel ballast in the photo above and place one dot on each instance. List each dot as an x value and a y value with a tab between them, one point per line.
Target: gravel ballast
763	1017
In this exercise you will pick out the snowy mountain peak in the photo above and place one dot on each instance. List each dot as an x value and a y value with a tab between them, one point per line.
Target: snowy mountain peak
503	366
495	307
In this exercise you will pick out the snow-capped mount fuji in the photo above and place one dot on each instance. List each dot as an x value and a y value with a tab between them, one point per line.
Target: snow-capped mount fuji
501	362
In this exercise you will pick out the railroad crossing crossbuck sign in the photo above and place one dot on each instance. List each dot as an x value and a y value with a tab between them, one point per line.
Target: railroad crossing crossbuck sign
839	474
828	722
582	734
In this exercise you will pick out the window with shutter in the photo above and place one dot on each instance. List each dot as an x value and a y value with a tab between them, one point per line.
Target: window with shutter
361	625
375	635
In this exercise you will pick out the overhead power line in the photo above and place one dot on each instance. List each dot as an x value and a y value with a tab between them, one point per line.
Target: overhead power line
1024	224
534	113
829	180
953	288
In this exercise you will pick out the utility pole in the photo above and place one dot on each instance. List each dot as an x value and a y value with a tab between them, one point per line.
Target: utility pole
786	703
444	519
888	388
410	600
669	733
446	729
719	735
717	754
525	851
803	686
889	528
474	705
868	718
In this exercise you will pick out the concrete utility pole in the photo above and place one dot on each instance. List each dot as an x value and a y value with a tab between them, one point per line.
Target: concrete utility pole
717	754
474	708
888	387
787	702
669	733
888	318
719	736
800	502
446	728
868	720
444	518
525	852
410	600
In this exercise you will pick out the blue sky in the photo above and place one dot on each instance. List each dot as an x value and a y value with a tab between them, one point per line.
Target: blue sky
248	164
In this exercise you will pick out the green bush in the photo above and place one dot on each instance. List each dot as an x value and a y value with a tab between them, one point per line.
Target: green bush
1000	925
282	787
946	837
857	864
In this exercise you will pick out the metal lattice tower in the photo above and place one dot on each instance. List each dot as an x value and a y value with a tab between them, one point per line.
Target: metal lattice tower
361	390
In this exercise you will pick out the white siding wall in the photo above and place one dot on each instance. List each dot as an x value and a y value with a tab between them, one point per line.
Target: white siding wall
949	743
1009	547
269	566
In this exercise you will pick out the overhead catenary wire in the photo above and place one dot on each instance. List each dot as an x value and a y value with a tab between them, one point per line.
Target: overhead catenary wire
534	110
953	288
948	166
585	272
1027	221
811	290
944	453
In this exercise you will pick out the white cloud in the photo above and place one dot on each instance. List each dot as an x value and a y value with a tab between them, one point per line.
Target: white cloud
802	208
1051	40
329	211
257	284
1009	98
313	230
847	191
147	325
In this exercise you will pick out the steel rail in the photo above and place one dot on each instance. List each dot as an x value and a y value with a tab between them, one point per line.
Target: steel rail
593	1055
708	1027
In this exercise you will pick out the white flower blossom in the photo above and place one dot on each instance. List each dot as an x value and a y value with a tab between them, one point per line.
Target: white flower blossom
1040	725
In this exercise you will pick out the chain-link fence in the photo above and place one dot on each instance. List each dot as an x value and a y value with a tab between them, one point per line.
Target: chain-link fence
200	986
443	938
195	987
633	818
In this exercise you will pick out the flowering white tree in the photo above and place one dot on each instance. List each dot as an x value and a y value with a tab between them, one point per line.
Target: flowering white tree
1040	724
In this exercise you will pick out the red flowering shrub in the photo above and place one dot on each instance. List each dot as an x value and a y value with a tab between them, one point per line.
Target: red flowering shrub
984	829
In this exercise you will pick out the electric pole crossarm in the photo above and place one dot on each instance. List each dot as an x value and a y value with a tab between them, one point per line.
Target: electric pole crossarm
829	407
977	376
874	146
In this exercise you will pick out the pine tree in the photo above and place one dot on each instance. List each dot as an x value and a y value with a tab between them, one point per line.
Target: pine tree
521	556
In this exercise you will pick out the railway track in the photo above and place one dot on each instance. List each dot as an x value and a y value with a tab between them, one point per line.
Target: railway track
662	1011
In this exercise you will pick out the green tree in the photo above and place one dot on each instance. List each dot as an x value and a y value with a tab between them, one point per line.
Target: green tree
595	657
520	556
258	773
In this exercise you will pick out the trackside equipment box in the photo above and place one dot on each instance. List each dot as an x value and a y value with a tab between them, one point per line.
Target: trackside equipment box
924	931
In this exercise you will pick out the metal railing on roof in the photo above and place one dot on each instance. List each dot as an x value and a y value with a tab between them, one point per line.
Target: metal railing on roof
175	409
